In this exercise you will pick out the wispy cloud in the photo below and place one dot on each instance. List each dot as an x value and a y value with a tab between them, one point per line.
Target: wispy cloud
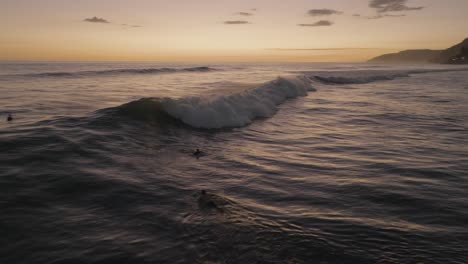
323	12
383	6
321	23
245	14
96	20
378	16
104	21
236	22
383	16
133	26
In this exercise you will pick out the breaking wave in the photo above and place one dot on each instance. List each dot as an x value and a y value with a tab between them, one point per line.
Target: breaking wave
221	111
358	80
363	77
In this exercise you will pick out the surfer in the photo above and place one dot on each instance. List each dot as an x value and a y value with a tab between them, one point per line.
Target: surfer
205	201
197	152
9	118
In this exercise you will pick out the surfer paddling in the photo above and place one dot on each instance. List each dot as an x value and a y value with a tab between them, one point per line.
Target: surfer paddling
207	201
197	153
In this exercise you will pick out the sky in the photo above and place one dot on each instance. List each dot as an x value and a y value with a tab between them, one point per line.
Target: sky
225	31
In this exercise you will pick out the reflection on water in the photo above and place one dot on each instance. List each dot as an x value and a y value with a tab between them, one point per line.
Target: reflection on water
356	172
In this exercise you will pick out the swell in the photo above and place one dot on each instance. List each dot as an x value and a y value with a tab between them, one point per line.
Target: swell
358	80
216	112
363	77
122	71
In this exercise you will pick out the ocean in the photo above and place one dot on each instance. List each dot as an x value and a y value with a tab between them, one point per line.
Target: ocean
301	163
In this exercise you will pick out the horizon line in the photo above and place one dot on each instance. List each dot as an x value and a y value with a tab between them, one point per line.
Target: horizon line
326	49
175	62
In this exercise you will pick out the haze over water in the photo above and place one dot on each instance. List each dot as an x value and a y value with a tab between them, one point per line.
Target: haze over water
328	163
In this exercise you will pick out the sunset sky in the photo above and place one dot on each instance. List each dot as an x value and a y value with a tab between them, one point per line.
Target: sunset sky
221	30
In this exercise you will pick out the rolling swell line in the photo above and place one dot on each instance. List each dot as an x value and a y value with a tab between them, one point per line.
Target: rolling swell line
385	76
121	71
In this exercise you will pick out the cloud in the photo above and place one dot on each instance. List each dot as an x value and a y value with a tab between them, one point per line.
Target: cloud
383	16
236	22
383	6
321	23
133	26
323	12
379	16
96	20
245	14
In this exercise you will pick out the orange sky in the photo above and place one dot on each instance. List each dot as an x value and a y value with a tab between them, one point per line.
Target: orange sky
215	30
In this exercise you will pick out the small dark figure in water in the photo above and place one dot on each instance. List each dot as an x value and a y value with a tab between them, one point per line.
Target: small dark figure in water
9	118
197	152
205	201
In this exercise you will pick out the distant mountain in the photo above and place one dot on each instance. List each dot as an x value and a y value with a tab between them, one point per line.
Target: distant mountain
408	56
457	54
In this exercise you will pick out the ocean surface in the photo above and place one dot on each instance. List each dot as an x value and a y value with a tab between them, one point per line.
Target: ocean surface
301	163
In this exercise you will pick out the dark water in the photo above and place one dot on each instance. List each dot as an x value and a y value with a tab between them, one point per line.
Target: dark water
372	167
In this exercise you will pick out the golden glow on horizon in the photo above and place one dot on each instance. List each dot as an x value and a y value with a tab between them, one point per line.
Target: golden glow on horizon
181	30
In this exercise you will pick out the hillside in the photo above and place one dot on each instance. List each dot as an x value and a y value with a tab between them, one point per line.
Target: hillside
457	54
408	56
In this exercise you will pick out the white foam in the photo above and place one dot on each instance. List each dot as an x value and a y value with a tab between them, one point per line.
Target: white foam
358	80
237	109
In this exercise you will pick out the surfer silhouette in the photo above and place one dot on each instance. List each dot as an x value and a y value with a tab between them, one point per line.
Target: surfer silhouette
9	118
205	201
197	153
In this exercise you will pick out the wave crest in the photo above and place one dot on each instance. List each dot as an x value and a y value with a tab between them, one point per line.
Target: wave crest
223	111
363	77
359	80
